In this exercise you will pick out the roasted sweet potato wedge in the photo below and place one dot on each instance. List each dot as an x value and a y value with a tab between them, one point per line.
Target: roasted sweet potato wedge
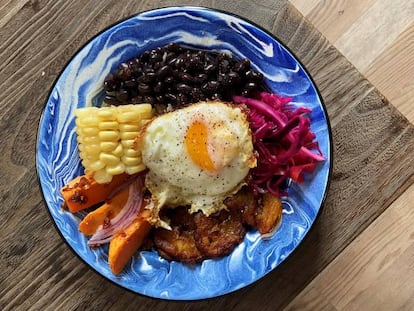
126	242
105	212
84	192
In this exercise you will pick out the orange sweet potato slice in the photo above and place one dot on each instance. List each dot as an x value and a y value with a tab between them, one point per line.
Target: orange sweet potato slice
125	243
105	212
84	192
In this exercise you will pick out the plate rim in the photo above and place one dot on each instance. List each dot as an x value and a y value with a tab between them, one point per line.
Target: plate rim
268	33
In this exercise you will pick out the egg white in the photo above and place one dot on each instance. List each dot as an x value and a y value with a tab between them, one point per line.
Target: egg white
174	179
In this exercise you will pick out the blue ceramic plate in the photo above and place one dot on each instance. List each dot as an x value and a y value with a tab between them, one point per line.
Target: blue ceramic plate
80	85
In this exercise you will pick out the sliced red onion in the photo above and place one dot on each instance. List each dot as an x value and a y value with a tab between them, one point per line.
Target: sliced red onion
123	219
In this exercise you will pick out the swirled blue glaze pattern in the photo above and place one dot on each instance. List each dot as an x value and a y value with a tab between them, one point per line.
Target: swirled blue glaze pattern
80	84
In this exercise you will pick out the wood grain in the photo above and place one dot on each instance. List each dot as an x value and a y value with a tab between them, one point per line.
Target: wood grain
354	44
336	17
392	72
38	271
368	274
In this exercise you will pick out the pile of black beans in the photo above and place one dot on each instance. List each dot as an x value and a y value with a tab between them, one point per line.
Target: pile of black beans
175	75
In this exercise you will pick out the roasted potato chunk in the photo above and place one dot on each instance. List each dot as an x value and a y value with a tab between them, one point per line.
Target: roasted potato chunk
178	243
268	213
245	203
217	235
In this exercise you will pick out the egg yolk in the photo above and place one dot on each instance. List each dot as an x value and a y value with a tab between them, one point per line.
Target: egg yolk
196	144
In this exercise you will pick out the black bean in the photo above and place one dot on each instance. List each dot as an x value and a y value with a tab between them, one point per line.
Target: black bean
224	66
254	75
158	87
179	62
184	88
164	71
149	100
242	66
194	63
250	86
111	93
210	68
160	99
145	56
133	92
172	61
170	97
136	100
111	100
155	57
149	69
182	99
148	77
210	87
201	78
170	56
144	88
158	65
110	83
221	78
169	80
246	92
186	78
174	47
197	94
122	95
173	74
124	72
130	83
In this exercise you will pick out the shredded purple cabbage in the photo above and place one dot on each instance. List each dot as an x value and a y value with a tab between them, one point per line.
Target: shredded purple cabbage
286	147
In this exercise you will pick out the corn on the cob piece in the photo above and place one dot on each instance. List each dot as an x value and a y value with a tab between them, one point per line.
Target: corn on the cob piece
106	137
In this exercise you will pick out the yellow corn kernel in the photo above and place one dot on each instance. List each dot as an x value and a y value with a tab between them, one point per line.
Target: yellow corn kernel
89	131
128	135
129	143
96	165
86	163
109	159
108	125
128	116
107	113
129	152
109	135
91	140
89	121
129	127
91	148
102	177
106	139
116	170
108	146
131	161
85	112
118	151
134	169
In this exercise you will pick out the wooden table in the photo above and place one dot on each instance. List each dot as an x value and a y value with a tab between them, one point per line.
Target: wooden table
373	165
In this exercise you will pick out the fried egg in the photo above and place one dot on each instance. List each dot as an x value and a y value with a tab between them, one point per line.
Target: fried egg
196	156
